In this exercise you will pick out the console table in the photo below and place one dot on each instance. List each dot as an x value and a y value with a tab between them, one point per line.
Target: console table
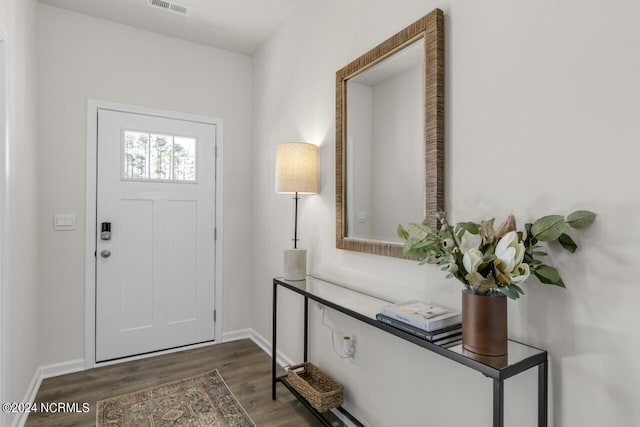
360	306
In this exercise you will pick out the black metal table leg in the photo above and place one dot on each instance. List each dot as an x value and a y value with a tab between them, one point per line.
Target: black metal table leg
306	329
543	386
273	344
498	403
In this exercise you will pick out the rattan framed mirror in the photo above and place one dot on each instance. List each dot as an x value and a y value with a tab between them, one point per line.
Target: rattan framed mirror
366	195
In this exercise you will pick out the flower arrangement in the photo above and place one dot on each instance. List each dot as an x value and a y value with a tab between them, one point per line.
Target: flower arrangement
487	260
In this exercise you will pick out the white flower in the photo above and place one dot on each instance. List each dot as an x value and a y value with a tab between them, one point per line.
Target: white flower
452	267
510	252
471	260
520	274
470	241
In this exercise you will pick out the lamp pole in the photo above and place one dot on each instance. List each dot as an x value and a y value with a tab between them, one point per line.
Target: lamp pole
295	226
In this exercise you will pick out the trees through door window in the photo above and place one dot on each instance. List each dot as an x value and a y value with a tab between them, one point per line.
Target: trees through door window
158	157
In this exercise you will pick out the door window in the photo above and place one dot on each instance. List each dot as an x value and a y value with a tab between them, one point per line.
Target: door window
149	156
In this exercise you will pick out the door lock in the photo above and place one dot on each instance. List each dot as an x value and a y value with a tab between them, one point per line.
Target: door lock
105	233
105	253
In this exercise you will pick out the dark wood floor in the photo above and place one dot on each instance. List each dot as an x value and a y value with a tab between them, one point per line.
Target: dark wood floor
243	365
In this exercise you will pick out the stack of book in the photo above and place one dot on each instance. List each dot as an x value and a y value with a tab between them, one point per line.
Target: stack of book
429	322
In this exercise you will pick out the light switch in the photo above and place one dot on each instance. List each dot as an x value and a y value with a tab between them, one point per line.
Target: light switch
64	222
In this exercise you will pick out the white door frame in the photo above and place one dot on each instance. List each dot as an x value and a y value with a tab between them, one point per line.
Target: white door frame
90	243
4	202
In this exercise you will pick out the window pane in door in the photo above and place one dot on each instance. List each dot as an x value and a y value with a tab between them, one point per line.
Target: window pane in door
184	159
160	153
136	147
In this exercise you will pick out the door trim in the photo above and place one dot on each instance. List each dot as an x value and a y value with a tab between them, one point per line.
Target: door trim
93	106
4	212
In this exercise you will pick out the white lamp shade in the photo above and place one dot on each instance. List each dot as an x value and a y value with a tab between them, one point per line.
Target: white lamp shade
297	168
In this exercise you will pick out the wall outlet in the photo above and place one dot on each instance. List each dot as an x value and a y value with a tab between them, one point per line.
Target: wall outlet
348	346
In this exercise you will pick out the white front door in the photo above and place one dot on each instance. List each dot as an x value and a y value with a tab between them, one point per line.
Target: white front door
155	271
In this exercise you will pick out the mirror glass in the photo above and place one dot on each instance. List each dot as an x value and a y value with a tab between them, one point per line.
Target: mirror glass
385	173
390	138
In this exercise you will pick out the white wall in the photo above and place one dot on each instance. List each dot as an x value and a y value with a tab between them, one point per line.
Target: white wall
82	57
542	103
19	18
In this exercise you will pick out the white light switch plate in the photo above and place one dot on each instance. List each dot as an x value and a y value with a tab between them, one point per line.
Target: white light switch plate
64	222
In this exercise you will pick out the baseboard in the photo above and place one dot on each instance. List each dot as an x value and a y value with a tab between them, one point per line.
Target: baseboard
29	397
62	368
259	340
240	334
41	373
353	412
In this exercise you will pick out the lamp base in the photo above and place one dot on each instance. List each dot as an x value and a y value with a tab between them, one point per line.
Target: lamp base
295	264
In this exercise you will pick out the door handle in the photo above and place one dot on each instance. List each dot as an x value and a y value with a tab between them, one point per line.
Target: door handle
105	253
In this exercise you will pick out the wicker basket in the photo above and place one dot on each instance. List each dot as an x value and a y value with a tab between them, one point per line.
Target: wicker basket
321	391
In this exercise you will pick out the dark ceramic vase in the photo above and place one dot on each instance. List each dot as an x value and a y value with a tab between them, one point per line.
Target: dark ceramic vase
484	323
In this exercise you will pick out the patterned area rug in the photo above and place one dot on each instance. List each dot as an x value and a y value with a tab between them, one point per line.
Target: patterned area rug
202	401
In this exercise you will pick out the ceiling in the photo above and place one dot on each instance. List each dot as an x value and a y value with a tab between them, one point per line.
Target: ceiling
236	25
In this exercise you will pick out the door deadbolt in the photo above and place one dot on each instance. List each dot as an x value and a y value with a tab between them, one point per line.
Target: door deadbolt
105	233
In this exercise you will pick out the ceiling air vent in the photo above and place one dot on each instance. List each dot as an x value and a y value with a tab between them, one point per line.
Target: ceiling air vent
170	6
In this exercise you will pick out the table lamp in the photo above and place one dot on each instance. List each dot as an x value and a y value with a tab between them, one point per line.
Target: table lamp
296	173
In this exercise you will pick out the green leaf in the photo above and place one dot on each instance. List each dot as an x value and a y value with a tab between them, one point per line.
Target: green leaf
488	249
488	257
530	240
402	233
517	288
540	253
549	275
424	244
409	246
567	242
471	227
421	229
581	219
508	291
548	228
